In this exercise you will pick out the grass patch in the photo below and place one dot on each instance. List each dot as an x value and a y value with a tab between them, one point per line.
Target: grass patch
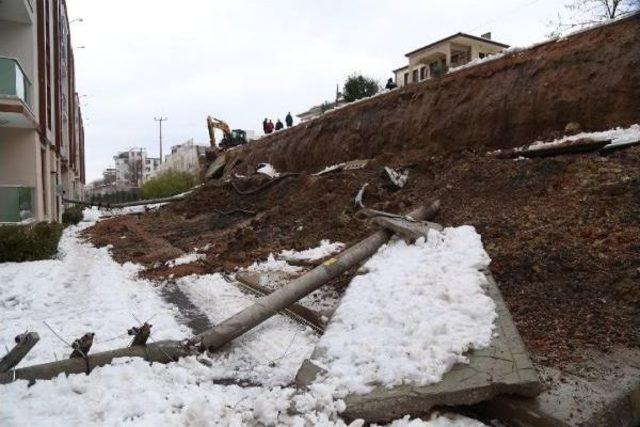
20	243
168	184
72	215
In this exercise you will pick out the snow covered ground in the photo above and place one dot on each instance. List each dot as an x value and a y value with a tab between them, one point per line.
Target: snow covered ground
411	316
85	290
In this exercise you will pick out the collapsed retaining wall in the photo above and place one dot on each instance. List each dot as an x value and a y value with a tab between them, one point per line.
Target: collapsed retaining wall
592	78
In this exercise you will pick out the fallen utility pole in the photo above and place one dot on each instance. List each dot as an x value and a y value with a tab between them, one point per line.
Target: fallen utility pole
128	204
271	304
162	352
24	344
215	338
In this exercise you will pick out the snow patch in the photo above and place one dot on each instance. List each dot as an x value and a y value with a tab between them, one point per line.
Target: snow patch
267	169
185	259
325	249
412	316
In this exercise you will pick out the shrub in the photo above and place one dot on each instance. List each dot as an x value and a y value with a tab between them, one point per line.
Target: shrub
358	87
20	243
72	215
168	184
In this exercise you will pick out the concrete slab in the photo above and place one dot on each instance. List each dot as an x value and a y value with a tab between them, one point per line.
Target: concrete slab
503	368
604	390
217	167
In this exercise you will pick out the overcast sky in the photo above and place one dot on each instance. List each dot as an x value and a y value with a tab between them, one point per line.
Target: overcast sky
244	60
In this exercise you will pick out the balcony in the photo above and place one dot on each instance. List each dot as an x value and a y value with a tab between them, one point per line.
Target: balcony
15	95
20	11
17	204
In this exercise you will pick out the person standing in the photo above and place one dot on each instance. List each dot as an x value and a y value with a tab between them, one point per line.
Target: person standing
289	120
279	125
269	128
264	125
391	84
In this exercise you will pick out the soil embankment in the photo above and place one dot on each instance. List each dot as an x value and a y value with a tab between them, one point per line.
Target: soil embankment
590	78
562	232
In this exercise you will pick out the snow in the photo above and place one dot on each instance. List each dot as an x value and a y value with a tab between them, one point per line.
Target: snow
273	264
331	168
84	290
269	354
412	316
325	249
185	259
618	136
267	169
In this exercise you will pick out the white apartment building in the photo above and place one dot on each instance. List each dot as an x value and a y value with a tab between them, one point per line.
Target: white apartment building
41	129
133	167
186	157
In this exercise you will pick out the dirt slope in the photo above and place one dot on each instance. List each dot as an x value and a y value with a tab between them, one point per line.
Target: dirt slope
591	78
562	232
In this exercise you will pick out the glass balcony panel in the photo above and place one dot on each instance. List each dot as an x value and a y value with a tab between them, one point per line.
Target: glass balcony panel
13	81
17	203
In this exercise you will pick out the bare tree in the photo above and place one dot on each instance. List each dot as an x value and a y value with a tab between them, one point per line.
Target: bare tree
581	13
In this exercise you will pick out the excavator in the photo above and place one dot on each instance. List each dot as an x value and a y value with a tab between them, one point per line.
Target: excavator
230	138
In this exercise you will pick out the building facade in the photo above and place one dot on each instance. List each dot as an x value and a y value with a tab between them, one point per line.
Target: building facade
133	167
41	128
186	157
453	51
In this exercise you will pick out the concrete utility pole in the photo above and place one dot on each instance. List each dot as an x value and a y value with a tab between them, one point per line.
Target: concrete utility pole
160	120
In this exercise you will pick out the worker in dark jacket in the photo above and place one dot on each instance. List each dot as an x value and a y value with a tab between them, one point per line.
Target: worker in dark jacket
264	125
391	84
279	125
289	120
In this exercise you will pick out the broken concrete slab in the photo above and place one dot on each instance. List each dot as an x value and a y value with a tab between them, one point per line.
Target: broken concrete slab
603	390
216	168
503	368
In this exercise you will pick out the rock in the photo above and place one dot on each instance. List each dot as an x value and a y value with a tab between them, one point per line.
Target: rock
572	128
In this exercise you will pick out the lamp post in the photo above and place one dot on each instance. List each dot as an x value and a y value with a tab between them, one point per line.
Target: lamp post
160	120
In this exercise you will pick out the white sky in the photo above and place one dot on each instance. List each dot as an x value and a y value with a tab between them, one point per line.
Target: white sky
244	60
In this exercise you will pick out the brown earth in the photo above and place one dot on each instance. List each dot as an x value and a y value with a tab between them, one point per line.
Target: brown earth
562	232
591	79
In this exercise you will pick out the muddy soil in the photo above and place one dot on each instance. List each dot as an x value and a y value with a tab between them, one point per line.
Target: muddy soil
562	233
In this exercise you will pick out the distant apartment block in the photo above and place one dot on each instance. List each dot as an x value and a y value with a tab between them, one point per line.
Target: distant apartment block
133	167
41	129
186	157
453	51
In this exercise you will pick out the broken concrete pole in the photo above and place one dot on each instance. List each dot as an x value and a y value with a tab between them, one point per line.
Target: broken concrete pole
162	352
297	311
268	306
502	368
409	230
24	343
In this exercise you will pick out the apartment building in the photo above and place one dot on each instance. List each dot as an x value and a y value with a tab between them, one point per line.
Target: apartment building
133	167
450	52
185	157
41	129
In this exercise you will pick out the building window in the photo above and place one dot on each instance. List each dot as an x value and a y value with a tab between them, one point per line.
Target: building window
415	75
423	73
406	78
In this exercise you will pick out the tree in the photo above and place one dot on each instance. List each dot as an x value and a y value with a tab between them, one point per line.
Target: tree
581	13
357	87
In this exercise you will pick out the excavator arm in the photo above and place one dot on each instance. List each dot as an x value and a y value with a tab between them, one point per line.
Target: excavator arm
213	124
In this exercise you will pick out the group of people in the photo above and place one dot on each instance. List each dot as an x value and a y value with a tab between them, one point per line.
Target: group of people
268	126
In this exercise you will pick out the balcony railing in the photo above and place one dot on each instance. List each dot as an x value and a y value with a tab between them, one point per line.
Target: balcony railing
13	81
17	204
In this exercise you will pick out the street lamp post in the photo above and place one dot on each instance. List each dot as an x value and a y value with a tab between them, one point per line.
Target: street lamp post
160	120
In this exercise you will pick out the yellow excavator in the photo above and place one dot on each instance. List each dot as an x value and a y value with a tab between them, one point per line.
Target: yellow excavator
230	138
